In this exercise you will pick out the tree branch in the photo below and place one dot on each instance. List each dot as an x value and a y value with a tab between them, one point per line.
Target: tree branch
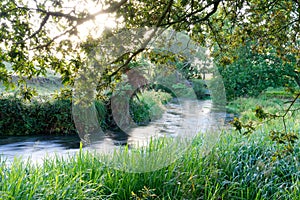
54	38
37	31
185	17
208	15
143	46
69	17
289	109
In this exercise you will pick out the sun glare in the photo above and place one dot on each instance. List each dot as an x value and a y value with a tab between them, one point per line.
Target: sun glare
94	28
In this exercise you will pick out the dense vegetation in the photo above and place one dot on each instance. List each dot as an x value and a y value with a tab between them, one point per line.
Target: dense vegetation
19	117
60	36
148	106
237	167
252	73
254	45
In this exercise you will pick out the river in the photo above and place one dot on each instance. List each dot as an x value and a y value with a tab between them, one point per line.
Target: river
188	117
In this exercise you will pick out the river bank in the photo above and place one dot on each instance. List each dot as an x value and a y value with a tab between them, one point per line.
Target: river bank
53	115
236	168
184	119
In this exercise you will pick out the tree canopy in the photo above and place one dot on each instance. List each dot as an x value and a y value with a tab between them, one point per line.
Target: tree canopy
37	35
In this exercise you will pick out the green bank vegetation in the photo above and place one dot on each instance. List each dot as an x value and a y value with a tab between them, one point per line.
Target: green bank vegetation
255	46
54	116
236	168
148	106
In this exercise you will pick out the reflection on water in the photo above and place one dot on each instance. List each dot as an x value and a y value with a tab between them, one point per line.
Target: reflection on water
37	147
183	120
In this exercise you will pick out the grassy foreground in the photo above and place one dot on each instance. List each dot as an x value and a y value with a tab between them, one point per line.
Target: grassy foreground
236	168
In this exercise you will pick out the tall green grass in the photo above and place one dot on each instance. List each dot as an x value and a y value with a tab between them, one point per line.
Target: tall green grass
245	106
236	168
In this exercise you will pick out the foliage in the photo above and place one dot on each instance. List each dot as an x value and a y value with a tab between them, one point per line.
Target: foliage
21	118
273	112
245	106
265	25
183	90
252	73
190	70
101	113
175	84
44	34
236	168
200	88
148	106
217	90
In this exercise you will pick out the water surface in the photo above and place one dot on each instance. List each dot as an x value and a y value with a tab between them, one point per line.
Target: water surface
184	120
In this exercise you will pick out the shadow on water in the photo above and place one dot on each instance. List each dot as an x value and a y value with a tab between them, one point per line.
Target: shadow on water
37	147
178	119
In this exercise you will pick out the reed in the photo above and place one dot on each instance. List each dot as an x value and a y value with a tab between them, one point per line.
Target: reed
236	168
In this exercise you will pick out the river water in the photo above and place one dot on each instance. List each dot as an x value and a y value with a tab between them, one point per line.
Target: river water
180	119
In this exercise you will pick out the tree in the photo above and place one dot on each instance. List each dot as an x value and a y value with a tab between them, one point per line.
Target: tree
39	35
252	73
44	34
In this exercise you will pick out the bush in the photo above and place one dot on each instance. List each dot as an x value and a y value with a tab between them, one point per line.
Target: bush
20	118
176	85
200	88
148	106
253	73
102	113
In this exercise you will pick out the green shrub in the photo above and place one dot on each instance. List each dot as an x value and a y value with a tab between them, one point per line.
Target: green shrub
253	73
22	118
182	90
148	106
18	117
49	117
217	91
200	88
102	113
140	112
176	85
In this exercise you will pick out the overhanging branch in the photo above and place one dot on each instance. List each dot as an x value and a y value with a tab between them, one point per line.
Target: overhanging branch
113	8
194	12
146	42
